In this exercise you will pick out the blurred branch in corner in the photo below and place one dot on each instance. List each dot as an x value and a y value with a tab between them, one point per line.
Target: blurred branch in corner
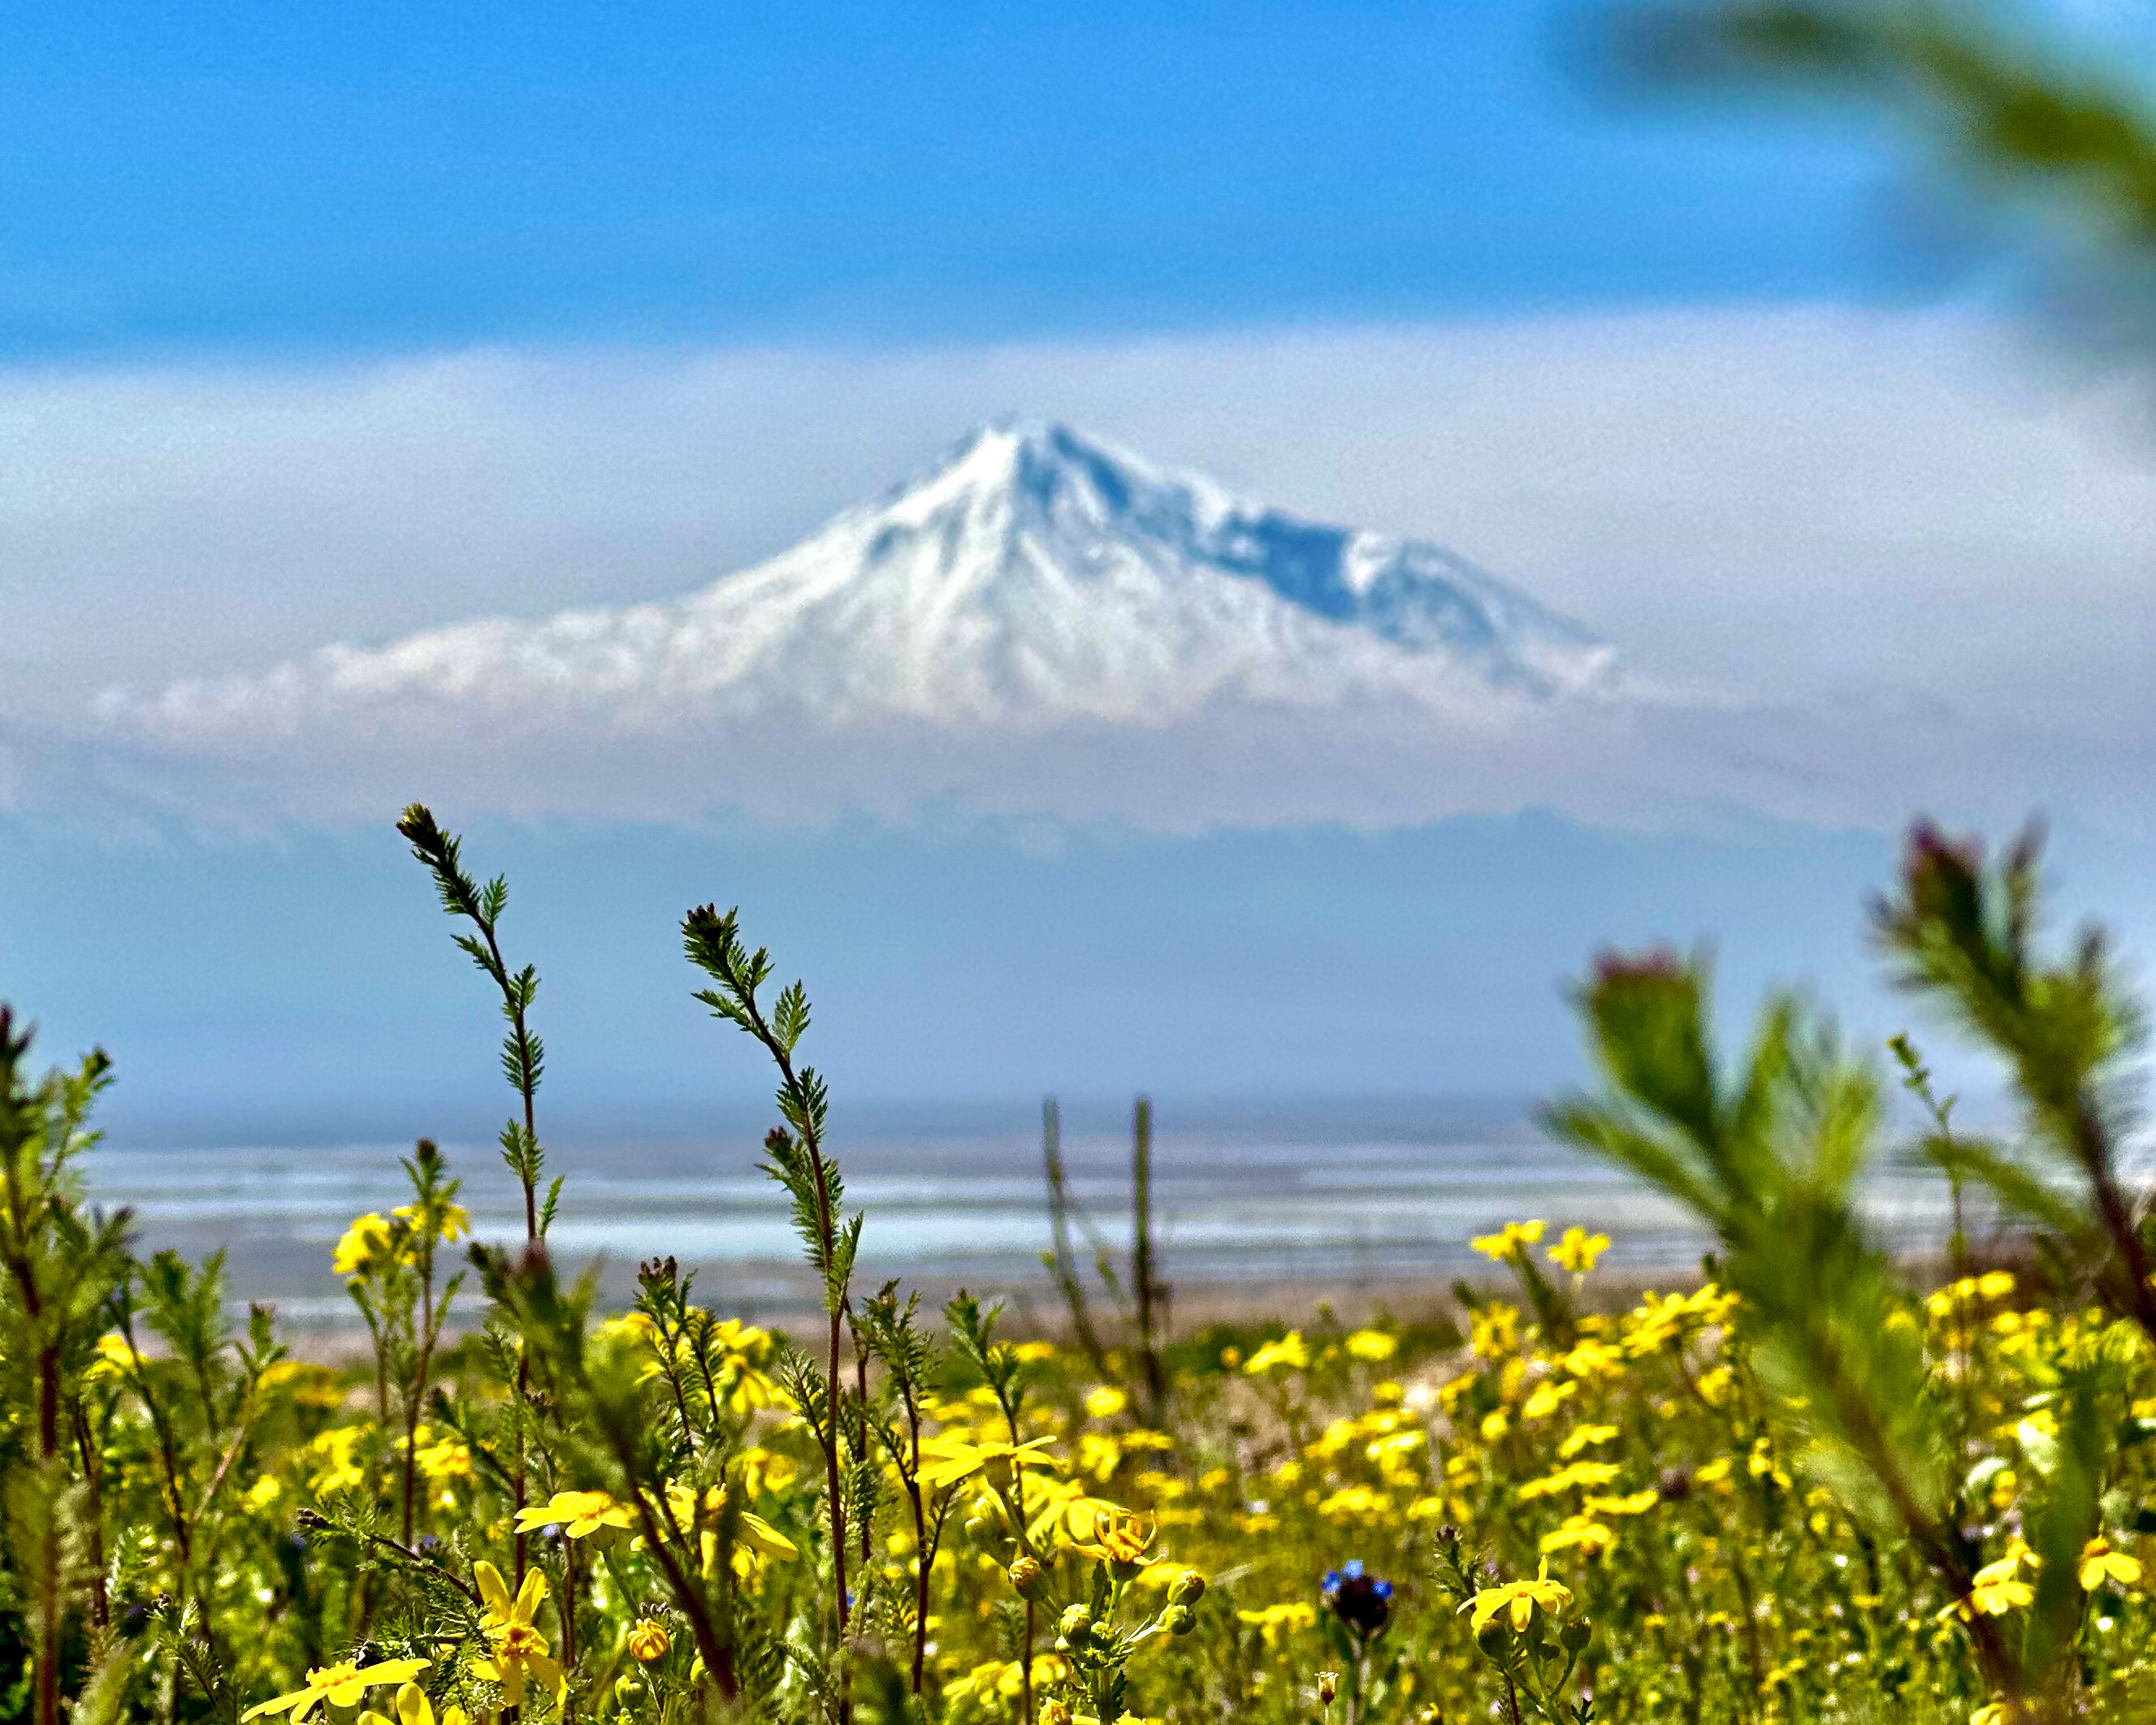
2050	127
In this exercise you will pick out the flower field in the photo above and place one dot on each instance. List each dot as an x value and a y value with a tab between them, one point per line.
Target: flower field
1810	1484
1561	1502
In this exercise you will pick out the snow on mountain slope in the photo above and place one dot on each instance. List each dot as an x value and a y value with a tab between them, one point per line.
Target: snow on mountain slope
1031	579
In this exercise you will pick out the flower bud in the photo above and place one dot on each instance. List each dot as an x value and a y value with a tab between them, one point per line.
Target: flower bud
629	1689
1328	1685
1025	1576
1186	1588
1055	1712
1491	1638
1075	1622
1178	1619
1575	1635
647	1640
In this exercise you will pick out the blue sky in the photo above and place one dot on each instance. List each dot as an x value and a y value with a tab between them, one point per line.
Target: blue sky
249	179
327	323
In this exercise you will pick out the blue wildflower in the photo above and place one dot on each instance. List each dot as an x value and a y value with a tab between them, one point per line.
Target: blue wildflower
1362	1601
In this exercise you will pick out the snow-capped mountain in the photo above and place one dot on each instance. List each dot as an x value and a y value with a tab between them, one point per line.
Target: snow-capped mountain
1031	578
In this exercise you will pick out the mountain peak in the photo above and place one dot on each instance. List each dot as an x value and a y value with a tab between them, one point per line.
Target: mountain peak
1033	576
1043	464
1040	489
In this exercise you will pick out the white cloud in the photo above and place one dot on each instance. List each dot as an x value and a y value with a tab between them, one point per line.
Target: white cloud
1919	554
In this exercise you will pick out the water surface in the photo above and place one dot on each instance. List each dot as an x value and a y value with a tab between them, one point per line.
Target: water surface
1368	1194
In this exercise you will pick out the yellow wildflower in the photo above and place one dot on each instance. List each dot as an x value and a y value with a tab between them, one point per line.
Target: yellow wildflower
1577	1251
630	1326
449	1459
1515	1236
1997	1588
1004	1681
451	1221
115	1358
1272	1622
1577	1473
701	1516
1063	1509
1547	1397
365	1247
1635	1504
413	1708
948	1457
1494	1331
2100	1564
340	1471
1761	1464
1336	1438
1997	1592
1373	1345
1099	1454
1289	1351
516	1652
310	1385
647	1640
741	1383
1655	1321
1592	1358
1356	1503
1106	1401
1117	1536
762	1472
1519	1600
745	1341
1584	1437
1582	1530
1395	1450
341	1685
578	1514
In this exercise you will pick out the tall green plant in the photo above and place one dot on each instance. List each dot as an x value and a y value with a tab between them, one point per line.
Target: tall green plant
60	1265
1768	1151
1767	1154
911	1360
523	1054
1060	1260
1148	1290
796	1158
1962	934
523	1062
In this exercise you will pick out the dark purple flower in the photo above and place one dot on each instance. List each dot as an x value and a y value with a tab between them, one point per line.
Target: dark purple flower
1362	1602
